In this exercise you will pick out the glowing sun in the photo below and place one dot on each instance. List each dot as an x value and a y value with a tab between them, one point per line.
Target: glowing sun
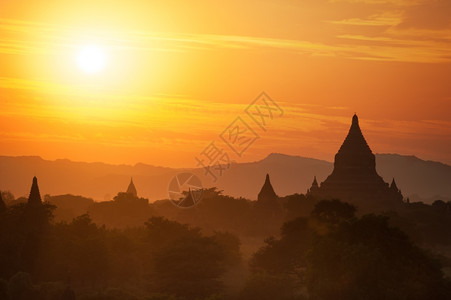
91	59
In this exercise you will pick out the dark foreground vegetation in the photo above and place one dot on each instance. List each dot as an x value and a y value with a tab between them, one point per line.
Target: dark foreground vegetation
313	250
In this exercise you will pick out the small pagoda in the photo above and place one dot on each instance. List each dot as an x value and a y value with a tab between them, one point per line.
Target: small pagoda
132	189
268	201
34	198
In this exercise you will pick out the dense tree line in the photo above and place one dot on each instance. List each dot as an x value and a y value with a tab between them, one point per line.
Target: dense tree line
332	254
324	250
161	260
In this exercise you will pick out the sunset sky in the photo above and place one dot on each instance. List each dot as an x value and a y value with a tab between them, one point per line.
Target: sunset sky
176	74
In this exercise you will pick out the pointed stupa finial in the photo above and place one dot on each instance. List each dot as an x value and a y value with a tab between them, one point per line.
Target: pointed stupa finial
355	119
267	189
393	185
131	188
35	196
314	183
355	144
267	200
314	188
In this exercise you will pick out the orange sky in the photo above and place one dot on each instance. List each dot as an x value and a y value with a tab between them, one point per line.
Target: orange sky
179	72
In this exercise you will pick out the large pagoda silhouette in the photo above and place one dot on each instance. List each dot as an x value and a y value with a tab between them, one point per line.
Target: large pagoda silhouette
354	178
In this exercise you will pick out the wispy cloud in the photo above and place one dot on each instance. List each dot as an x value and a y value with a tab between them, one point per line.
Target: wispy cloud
61	110
391	46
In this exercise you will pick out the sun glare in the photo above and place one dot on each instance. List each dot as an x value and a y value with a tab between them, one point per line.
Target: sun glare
91	59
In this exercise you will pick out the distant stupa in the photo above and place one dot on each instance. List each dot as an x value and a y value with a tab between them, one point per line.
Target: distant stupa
314	188
131	189
35	196
395	191
354	178
268	199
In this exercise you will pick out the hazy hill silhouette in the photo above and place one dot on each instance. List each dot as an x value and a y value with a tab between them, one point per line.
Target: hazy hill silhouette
418	179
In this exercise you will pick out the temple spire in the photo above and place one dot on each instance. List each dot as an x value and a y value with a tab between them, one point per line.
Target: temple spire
393	185
267	189
314	186
395	191
35	197
267	199
354	140
355	120
314	183
355	153
131	188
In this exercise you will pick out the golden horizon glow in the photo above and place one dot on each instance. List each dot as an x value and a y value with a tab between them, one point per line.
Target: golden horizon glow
161	81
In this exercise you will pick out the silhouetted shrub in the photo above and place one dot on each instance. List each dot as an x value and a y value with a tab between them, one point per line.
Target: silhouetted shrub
51	291
264	286
21	288
184	262
3	290
367	259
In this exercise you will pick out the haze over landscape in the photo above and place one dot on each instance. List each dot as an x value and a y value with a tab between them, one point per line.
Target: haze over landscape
420	180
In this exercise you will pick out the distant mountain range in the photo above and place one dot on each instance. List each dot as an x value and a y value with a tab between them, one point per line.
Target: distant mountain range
418	179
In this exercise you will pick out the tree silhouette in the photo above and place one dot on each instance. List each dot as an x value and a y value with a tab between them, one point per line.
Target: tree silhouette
333	212
21	288
335	255
68	294
183	261
367	259
2	204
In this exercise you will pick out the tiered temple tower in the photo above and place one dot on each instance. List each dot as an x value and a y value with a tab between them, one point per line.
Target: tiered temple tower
354	178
